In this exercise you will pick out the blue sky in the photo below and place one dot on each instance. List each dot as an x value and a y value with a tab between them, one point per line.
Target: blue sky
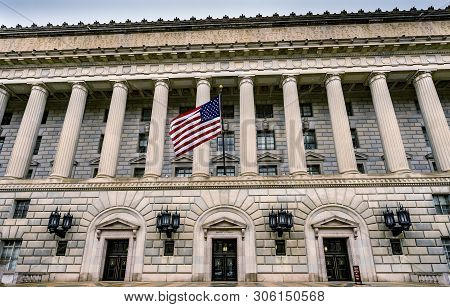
25	12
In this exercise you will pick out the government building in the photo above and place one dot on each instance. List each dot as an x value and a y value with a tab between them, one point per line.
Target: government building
336	136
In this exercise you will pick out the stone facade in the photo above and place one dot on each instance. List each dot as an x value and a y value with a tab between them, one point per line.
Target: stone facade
45	91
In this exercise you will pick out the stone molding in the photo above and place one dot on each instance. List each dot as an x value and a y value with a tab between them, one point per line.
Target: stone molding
256	182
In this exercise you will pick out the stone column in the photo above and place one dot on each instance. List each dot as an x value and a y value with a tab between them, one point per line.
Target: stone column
200	159
394	151
68	141
155	149
249	163
434	118
113	131
28	131
4	96
293	122
345	154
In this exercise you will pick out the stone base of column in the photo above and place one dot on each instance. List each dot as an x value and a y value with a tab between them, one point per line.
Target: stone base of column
401	171
200	176
56	177
151	177
350	172
248	174
103	176
298	174
10	178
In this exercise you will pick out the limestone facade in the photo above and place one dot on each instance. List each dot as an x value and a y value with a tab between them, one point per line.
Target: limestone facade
333	130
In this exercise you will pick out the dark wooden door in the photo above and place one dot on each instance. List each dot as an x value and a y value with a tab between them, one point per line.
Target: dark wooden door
115	260
224	262
336	259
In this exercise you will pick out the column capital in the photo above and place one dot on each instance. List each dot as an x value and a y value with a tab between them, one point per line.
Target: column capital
420	74
121	83
162	82
203	81
40	87
335	76
4	91
375	75
79	85
246	79
286	78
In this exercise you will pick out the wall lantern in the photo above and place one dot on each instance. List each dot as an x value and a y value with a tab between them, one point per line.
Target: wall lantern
168	222
281	221
53	223
404	220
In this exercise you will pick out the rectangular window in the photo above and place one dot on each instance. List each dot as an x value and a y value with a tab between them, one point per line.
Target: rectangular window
354	134
396	247
37	145
61	248
425	136
280	247
44	118
309	138
306	110
21	209
313	169
30	173
265	140
433	166
268	170
360	167
142	144
2	142
100	143
169	247
417	105
138	172
442	203
446	246
349	108
229	142
146	115
183	171
6	120
10	254
231	171
95	172
228	112
264	111
105	115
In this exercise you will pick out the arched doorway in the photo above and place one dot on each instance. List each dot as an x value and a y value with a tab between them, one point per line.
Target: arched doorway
224	237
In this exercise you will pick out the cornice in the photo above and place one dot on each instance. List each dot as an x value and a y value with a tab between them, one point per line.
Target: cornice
259	21
356	181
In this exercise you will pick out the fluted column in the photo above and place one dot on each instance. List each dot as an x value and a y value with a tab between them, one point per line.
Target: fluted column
200	159
68	140
345	154
113	131
155	149
4	96
249	163
434	118
394	151
28	131
293	122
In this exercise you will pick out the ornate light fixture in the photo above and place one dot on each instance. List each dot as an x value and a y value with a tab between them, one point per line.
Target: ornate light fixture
281	221
404	220
53	223
168	222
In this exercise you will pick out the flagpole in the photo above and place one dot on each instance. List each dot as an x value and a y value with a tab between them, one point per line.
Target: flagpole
223	131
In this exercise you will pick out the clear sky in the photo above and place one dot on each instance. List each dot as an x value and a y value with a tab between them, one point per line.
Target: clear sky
25	12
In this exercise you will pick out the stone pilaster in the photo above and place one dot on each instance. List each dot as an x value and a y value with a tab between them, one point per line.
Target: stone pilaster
345	154
28	131
249	163
68	140
200	159
113	131
394	151
294	134
4	96
434	118
155	149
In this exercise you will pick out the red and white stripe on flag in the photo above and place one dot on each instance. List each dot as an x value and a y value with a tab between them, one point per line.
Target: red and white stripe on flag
195	127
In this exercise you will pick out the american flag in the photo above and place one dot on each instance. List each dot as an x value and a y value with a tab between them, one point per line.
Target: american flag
197	126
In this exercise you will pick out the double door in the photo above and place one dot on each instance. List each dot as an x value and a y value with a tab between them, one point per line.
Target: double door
224	262
115	260
336	259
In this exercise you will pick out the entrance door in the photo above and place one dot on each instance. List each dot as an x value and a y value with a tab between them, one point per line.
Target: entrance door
115	260
224	262
336	259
